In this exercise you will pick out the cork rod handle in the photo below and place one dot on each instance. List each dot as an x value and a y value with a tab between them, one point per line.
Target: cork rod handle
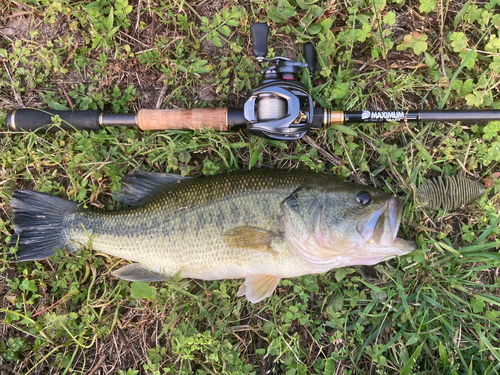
175	119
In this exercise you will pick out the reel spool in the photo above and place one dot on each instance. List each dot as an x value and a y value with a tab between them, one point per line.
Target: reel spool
270	107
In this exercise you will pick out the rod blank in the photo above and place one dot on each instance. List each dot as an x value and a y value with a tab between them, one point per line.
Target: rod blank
451	116
423	116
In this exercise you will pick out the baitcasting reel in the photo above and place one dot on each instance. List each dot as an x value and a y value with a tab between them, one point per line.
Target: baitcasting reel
280	108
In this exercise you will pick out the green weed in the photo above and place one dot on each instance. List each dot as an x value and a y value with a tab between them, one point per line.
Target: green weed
435	311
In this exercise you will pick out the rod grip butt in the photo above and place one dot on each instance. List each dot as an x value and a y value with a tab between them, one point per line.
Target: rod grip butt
30	120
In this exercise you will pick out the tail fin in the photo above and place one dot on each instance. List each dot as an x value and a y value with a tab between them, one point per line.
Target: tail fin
39	221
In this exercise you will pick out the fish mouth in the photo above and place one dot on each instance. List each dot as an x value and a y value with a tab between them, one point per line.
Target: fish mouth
381	227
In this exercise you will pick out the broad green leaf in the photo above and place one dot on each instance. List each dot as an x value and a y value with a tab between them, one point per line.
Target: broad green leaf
492	314
112	32
280	144
493	45
58	107
201	66
467	87
337	302
326	24
390	18
314	29
329	367
352	146
141	289
275	16
110	22
430	61
305	4
225	30
315	11
458	42
341	273
412	340
427	6
217	19
469	58
420	47
216	40
474	99
239	145
285	9
416	41
495	66
96	41
478	305
491	130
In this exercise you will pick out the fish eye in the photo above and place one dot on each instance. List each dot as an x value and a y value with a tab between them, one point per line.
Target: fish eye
363	198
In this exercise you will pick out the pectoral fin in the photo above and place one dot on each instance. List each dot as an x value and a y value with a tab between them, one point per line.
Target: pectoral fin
137	272
250	237
258	287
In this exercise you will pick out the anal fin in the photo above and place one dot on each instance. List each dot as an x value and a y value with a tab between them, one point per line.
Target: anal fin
258	287
137	272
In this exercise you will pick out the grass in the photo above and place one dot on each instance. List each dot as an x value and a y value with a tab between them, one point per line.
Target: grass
435	311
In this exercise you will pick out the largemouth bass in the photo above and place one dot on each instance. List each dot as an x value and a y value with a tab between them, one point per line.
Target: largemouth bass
260	225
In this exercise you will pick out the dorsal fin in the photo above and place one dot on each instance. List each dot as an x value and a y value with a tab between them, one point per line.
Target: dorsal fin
139	186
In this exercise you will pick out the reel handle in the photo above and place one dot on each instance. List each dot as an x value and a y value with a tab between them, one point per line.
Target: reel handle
259	32
310	56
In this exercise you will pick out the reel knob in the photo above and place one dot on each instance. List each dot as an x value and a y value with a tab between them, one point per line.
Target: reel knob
310	55
259	32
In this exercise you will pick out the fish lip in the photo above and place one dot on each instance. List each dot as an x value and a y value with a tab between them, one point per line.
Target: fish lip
367	227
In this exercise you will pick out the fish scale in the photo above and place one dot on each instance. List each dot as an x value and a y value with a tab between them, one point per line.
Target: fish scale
155	234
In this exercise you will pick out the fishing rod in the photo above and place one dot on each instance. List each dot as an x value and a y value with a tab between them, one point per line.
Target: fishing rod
280	108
